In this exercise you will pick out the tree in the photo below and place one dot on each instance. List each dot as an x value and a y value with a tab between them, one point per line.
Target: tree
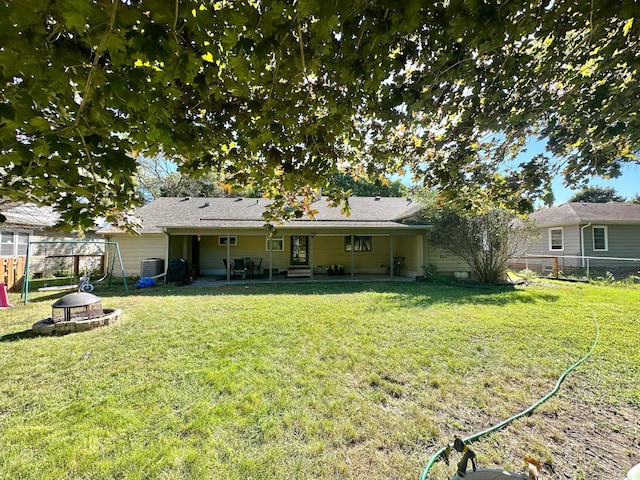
279	96
157	177
361	187
485	241
597	195
636	199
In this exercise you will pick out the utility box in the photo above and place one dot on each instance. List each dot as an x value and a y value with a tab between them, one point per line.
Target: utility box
151	267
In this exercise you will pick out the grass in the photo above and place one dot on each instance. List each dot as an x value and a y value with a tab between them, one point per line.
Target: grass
331	380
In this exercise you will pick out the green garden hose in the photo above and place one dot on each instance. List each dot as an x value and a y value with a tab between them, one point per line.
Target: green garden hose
439	454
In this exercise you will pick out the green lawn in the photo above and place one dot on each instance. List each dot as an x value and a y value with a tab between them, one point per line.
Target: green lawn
318	381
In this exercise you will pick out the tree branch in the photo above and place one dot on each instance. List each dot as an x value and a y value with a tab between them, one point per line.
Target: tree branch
94	66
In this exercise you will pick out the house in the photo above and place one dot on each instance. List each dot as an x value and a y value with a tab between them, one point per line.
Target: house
27	223
211	233
576	230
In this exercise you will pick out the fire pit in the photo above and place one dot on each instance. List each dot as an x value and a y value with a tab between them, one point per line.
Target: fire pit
76	312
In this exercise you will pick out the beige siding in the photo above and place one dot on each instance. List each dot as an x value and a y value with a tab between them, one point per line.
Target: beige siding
331	251
212	254
135	249
324	250
445	262
407	247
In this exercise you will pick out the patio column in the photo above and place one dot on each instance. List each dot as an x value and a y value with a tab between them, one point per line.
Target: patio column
425	253
391	256
353	260
167	245
311	239
185	247
228	258
270	257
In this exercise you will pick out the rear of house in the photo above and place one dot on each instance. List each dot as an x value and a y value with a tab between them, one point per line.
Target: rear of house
382	236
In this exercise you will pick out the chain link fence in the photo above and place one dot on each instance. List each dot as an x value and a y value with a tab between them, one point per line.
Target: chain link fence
580	268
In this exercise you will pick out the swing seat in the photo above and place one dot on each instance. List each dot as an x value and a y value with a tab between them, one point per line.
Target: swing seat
57	287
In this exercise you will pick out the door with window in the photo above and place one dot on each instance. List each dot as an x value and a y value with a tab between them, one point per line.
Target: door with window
299	250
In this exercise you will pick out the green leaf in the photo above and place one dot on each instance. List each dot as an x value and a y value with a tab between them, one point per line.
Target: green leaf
39	123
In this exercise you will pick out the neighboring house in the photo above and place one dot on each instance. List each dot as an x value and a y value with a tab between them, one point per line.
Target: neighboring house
574	230
25	223
210	233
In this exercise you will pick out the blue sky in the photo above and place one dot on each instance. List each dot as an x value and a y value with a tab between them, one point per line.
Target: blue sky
627	185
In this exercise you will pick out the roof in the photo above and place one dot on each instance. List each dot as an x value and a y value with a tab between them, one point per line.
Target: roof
28	215
575	213
239	212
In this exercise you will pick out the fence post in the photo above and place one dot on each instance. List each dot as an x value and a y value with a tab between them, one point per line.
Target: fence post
555	267
11	270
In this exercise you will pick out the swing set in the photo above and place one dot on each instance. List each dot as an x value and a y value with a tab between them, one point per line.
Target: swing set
105	252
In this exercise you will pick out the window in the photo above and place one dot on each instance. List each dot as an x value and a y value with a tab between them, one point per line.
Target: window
231	239
22	243
600	240
6	244
275	244
13	244
360	243
556	241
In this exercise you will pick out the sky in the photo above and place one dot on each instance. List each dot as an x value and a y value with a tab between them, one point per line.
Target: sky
627	185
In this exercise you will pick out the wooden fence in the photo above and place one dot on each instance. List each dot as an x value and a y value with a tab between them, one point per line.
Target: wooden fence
12	272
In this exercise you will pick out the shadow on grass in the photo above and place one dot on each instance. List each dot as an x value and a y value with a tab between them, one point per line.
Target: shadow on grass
47	297
409	293
12	337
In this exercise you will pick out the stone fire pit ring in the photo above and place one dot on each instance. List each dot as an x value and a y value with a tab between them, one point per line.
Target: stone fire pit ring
47	326
76	312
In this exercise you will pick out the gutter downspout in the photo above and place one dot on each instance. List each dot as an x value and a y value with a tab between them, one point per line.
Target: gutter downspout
582	241
166	254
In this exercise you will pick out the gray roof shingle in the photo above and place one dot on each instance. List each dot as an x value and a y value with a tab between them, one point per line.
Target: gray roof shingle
27	215
172	212
573	213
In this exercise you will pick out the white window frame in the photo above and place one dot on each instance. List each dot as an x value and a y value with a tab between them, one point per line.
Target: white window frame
606	238
222	240
15	245
275	244
551	230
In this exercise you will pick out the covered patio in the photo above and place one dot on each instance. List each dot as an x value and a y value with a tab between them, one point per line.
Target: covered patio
225	240
221	280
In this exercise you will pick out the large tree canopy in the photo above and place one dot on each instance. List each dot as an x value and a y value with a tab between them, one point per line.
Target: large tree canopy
597	195
280	95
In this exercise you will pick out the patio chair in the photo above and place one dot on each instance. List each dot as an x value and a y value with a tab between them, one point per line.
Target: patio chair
239	268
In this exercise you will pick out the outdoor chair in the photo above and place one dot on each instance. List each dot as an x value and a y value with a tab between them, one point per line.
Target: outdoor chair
239	268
